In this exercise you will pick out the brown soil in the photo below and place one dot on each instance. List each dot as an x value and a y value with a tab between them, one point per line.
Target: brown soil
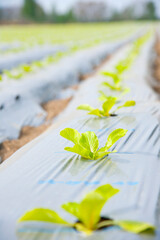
84	77
53	108
156	66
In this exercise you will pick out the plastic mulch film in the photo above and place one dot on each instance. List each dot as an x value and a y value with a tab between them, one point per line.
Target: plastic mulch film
41	87
140	91
42	174
47	176
9	46
24	112
12	60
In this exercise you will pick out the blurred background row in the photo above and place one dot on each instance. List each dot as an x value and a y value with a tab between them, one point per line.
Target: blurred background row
63	11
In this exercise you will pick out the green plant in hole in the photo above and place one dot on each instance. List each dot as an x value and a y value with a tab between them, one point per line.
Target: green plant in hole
106	108
103	97
115	87
88	214
115	77
87	144
14	75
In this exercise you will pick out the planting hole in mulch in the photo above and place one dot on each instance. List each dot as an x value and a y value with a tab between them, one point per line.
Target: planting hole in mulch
113	115
103	219
17	97
1	107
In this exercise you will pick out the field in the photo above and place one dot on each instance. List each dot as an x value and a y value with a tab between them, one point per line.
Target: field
80	131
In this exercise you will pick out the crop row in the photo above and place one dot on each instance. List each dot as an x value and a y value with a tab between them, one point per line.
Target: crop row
131	151
44	85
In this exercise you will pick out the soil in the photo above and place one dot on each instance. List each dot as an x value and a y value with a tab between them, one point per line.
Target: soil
53	108
156	65
84	77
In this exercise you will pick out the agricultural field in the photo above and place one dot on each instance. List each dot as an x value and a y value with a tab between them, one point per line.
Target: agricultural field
80	131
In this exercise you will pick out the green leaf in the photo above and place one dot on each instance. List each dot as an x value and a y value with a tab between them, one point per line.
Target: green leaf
71	135
115	136
26	68
38	64
89	140
91	206
80	150
85	107
128	104
134	227
88	143
114	88
104	97
81	228
106	191
96	112
0	77
107	106
109	74
114	76
90	209
44	215
72	208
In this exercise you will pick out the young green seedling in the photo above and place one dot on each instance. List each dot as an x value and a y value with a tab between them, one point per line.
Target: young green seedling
122	66
86	144
117	87
115	76
106	108
103	97
88	214
11	74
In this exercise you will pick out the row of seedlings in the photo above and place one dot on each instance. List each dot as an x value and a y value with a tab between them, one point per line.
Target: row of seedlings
88	211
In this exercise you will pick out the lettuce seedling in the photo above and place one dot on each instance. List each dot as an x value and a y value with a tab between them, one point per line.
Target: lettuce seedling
116	87
26	68
10	74
103	97
88	214
86	144
122	66
115	76
106	108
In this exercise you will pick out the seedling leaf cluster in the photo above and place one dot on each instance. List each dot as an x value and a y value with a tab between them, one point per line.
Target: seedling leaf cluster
106	107
87	144
88	211
88	214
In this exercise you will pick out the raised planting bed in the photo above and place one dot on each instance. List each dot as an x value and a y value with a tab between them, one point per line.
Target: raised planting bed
114	194
43	86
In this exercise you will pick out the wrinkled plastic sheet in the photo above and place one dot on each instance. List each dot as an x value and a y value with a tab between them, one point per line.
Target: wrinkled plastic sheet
140	91
8	46
52	177
44	86
23	113
42	174
12	60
